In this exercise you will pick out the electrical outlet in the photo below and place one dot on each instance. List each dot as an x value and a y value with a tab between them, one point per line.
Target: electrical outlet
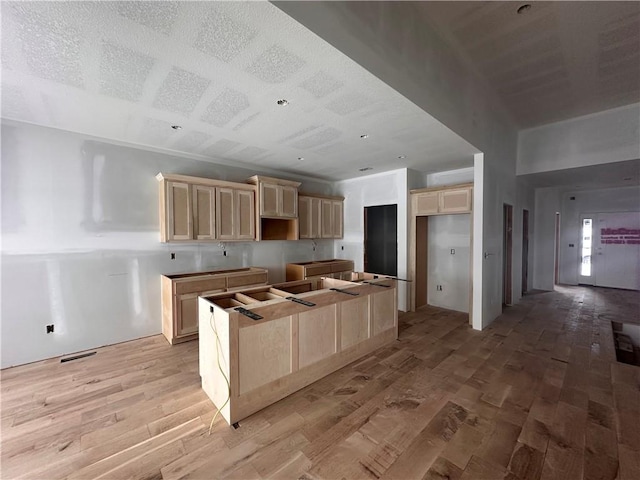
439	288
50	328
342	247
173	256
453	251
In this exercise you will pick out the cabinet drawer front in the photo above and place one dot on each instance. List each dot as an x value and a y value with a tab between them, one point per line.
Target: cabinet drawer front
346	266
246	279
315	270
199	284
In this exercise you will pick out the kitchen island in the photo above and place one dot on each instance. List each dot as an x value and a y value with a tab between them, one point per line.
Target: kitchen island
249	363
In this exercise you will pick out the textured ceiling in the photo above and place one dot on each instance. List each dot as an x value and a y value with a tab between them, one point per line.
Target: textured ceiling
555	61
127	71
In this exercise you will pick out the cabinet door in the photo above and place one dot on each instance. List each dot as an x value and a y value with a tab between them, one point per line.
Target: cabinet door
327	219
304	217
269	204
336	219
289	201
315	229
455	201
245	215
426	203
179	219
225	213
204	212
186	314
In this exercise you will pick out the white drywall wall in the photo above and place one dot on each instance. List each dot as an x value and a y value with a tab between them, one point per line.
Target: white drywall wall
604	137
547	204
445	86
525	200
451	177
389	188
81	244
448	264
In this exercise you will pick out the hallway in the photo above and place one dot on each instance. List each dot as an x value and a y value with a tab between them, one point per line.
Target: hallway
538	394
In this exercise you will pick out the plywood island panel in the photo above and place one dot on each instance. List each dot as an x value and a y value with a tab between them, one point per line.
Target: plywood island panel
247	364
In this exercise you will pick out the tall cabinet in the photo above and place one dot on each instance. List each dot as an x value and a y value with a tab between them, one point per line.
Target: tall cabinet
202	209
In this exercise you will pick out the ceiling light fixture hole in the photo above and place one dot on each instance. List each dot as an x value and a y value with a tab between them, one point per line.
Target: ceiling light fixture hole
176	127
283	102
523	8
300	158
364	136
402	156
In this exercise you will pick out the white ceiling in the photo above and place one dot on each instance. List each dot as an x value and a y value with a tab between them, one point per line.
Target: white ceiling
557	60
127	71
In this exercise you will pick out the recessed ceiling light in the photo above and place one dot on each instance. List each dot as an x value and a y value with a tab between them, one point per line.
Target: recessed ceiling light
364	136
300	158
176	127
282	102
402	156
364	169
523	8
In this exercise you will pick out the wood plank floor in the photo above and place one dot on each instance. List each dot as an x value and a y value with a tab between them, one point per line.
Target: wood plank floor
538	394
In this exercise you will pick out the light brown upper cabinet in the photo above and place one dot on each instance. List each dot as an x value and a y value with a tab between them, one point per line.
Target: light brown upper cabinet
205	210
455	200
332	221
236	214
442	200
276	198
176	213
310	216
320	216
278	208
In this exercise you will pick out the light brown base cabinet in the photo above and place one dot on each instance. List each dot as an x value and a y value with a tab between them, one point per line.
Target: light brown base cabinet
180	294
328	268
247	364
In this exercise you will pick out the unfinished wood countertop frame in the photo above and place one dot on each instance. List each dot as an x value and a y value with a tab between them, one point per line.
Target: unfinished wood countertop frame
293	345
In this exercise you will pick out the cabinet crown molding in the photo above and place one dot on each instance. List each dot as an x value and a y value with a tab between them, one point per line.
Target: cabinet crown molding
210	182
275	181
442	187
315	195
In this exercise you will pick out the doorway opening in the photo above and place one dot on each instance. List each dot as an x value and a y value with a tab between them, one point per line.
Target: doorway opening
507	244
381	239
525	251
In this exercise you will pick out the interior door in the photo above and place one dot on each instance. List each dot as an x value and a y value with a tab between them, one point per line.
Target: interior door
617	250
